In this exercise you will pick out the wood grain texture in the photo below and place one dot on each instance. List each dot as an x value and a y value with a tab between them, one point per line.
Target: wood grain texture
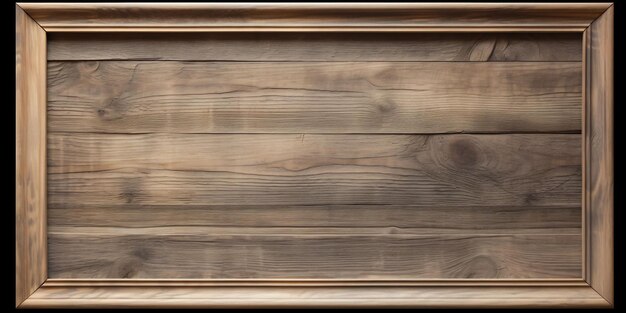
277	169
303	297
364	219
306	15
314	97
30	156
313	206
600	137
117	253
315	46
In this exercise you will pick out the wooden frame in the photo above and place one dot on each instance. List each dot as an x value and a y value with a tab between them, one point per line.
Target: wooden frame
34	20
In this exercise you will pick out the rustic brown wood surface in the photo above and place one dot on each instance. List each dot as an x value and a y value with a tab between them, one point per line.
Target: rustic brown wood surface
298	192
30	156
315	156
275	253
221	169
314	97
373	219
315	46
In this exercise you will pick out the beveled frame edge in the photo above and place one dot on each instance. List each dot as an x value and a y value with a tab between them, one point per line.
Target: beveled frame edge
30	156
598	145
595	289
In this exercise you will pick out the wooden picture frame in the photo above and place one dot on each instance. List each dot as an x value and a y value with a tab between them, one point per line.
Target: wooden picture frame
35	20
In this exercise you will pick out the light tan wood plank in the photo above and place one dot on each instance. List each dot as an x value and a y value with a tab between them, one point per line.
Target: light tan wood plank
278	169
315	46
308	16
117	254
411	219
317	97
601	162
30	156
113	296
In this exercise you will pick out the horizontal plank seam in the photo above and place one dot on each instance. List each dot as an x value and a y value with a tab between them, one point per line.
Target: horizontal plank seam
277	226
316	24
63	283
492	29
564	132
472	235
324	25
159	59
324	6
317	298
202	206
80	281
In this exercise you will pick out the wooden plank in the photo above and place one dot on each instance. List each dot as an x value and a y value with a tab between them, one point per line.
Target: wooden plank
114	253
316	46
30	156
281	230
113	296
314	97
311	16
282	169
411	219
601	164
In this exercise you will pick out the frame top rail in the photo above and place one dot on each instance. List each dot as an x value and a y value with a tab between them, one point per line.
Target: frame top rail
314	16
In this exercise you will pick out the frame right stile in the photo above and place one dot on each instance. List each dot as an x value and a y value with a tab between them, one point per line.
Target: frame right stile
598	145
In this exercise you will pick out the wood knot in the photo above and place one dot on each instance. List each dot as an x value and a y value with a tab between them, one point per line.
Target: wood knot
113	109
129	268
481	267
386	106
108	114
142	253
464	153
530	199
88	66
125	267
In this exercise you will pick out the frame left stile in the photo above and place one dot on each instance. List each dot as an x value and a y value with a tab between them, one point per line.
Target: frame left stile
30	156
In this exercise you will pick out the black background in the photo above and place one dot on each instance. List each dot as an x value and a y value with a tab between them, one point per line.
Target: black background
7	150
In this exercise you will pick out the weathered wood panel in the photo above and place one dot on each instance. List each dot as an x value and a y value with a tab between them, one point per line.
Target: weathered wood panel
318	97
315	155
113	254
316	46
196	169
